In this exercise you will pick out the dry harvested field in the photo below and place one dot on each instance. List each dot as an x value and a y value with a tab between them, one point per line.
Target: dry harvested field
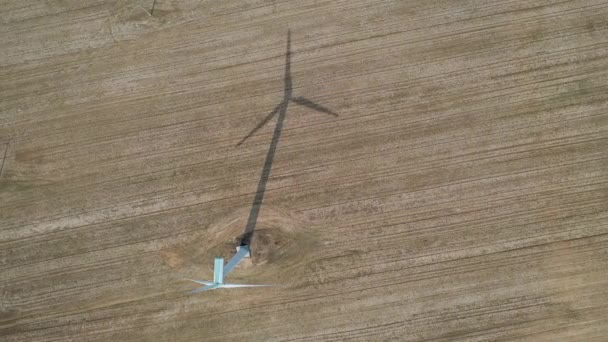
460	193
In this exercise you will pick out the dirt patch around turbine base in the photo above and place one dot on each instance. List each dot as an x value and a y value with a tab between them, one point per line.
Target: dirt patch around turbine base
281	245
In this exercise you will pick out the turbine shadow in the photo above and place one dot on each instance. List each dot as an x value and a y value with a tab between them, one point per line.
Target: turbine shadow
281	111
307	103
260	125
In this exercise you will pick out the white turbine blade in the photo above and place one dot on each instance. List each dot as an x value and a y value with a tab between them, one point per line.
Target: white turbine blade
202	282
244	285
218	271
204	288
261	124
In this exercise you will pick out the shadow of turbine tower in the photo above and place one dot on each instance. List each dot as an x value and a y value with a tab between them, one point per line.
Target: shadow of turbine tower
281	111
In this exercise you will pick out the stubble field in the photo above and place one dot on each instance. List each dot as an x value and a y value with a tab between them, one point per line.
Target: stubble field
461	192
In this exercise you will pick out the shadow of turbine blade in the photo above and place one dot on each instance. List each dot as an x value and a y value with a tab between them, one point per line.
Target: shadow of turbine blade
314	106
261	124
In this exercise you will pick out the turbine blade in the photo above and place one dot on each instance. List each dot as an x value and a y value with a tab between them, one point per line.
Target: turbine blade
204	288
218	271
261	124
315	106
244	285
202	282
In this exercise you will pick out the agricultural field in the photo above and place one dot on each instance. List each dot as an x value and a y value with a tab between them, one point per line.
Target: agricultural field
405	170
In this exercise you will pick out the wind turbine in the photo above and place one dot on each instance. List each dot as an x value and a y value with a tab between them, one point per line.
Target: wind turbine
220	271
